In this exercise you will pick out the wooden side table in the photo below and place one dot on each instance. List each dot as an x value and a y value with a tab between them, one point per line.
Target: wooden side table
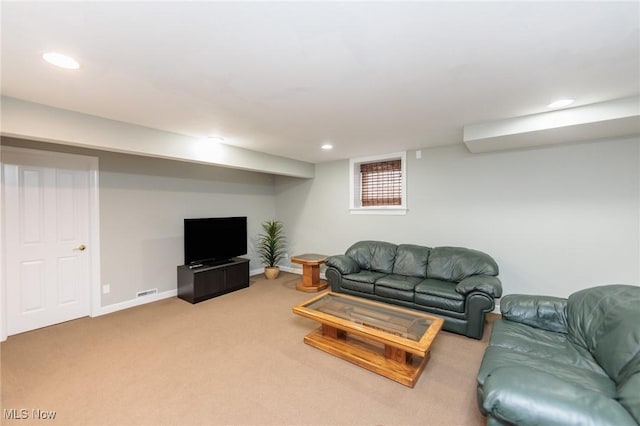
311	281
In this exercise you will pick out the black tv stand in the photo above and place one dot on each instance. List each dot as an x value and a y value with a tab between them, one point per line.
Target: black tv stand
200	282
209	263
216	262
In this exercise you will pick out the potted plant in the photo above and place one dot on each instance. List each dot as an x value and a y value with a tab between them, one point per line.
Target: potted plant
271	247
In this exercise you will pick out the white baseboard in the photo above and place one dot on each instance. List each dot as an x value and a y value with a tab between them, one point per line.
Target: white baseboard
103	310
282	268
260	271
291	269
256	272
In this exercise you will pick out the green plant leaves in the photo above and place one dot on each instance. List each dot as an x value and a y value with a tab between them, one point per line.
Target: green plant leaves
272	243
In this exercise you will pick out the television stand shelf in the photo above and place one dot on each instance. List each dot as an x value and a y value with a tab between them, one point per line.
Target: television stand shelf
205	282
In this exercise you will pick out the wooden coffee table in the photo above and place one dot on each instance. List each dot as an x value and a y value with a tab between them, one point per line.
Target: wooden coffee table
311	281
391	341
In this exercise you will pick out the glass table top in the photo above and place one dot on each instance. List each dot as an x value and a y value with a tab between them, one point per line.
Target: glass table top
397	321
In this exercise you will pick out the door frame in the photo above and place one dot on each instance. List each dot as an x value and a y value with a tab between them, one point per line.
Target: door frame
94	229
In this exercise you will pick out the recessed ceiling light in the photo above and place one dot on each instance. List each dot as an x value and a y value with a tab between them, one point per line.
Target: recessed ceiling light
60	60
561	103
327	146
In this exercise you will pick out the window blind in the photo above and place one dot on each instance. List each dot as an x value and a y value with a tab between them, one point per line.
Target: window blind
381	183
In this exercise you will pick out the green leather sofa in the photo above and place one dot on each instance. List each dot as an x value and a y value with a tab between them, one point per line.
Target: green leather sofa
456	283
555	361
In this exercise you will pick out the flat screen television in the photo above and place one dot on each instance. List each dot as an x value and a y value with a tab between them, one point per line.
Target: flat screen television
214	240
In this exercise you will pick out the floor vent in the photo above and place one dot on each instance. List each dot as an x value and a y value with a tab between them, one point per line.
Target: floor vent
147	292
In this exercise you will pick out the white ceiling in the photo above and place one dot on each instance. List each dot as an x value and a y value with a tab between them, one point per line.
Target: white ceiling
283	78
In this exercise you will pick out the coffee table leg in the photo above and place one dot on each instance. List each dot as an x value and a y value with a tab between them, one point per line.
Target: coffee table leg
332	332
397	354
390	352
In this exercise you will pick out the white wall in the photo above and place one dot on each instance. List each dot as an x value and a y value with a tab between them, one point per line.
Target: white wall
143	202
30	121
556	219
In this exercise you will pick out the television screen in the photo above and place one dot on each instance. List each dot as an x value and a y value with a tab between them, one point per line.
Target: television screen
214	240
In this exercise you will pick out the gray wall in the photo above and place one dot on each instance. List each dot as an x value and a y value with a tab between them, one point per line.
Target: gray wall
143	202
556	219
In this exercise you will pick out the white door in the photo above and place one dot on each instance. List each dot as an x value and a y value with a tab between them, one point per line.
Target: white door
47	237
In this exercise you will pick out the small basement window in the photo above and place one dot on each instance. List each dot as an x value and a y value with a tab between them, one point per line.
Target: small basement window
378	184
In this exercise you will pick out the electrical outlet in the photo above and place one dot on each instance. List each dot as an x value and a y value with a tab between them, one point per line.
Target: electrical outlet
106	289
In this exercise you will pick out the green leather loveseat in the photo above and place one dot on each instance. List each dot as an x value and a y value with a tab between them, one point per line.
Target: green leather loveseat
555	361
456	283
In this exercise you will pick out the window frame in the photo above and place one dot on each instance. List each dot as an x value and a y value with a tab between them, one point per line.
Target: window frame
355	203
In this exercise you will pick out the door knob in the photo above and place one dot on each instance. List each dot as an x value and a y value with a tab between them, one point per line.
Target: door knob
81	247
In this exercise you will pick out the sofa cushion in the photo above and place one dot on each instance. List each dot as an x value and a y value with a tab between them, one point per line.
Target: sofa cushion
393	293
383	257
497	357
358	286
411	260
395	286
544	312
373	255
439	288
442	303
439	294
542	344
364	276
399	282
605	321
457	263
629	396
361	253
361	282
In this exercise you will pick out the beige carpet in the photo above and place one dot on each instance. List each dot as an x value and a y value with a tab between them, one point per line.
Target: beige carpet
238	359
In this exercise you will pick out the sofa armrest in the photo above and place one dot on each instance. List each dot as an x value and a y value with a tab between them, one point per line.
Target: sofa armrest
544	312
484	283
343	263
527	396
